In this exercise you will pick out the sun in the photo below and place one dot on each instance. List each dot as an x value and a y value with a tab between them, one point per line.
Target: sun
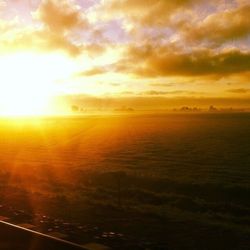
28	83
24	100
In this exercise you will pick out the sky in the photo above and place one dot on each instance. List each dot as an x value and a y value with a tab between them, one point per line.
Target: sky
156	53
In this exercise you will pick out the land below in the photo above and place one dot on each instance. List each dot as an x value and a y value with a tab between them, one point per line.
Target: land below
132	181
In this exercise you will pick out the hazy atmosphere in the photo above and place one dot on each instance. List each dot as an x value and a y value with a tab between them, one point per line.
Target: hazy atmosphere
124	124
172	52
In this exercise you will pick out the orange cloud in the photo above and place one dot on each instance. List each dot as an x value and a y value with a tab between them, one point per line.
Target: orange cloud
38	40
92	72
220	27
175	92
61	15
184	40
128	99
161	84
144	13
239	91
152	61
60	20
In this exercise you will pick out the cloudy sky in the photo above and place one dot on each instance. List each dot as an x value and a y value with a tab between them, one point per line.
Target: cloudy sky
139	49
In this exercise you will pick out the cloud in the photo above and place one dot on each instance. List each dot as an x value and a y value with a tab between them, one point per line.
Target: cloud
242	2
7	26
95	49
143	42
115	84
37	40
127	93
220	27
239	91
61	15
144	13
61	20
168	61
161	84
155	93
2	4
174	92
152	61
186	22
92	72
157	102
53	42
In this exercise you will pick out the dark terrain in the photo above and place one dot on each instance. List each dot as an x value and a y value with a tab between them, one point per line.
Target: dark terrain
162	181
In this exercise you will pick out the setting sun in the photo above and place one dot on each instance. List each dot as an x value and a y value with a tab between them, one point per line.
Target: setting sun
124	124
28	83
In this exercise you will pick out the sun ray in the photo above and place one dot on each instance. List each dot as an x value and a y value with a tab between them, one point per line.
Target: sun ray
28	82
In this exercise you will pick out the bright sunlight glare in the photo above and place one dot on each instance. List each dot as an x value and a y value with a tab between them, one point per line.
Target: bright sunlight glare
28	82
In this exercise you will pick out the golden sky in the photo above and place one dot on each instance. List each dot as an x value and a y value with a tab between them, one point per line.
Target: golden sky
147	51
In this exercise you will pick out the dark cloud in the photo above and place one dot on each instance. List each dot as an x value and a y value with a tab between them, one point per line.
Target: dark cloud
239	91
165	61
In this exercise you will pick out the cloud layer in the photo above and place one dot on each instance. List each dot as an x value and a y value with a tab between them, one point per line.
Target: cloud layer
186	46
